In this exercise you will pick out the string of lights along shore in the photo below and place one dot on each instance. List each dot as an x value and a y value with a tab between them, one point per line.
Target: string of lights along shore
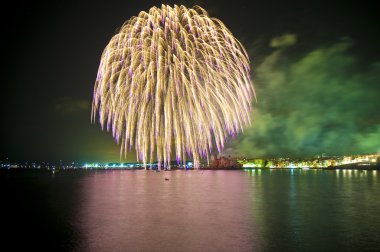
173	82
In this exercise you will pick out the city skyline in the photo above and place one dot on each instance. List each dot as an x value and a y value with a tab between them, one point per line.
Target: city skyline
363	161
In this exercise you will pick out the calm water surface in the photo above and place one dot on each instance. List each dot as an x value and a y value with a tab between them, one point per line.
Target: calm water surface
259	210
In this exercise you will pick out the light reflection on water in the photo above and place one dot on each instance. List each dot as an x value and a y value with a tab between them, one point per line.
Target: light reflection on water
274	210
252	210
141	211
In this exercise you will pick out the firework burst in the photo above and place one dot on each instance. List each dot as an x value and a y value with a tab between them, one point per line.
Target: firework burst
173	81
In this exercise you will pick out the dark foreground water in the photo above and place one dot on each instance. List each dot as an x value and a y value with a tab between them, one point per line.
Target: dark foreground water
192	211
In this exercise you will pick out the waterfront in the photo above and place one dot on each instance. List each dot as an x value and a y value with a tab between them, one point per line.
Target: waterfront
252	210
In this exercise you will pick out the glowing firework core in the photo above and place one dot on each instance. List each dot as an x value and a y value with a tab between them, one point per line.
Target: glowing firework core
173	80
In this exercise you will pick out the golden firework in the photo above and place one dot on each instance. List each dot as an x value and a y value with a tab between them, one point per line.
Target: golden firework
173	80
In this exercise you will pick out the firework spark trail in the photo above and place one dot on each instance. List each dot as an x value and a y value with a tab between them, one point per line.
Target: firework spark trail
173	80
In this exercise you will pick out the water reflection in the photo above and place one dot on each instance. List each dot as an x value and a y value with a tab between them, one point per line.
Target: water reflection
141	211
315	209
252	210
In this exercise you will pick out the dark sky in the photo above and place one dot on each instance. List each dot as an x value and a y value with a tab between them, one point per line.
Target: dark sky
315	67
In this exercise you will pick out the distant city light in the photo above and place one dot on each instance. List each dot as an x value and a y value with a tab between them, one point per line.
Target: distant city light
368	161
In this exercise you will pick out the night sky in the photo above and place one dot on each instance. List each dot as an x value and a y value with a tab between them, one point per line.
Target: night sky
315	69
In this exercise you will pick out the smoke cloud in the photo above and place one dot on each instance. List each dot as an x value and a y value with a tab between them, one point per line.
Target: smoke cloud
320	101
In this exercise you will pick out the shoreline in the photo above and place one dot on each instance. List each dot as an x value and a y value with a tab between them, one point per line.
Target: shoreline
342	167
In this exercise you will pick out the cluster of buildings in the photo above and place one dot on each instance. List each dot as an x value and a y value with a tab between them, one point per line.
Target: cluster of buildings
316	162
223	163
